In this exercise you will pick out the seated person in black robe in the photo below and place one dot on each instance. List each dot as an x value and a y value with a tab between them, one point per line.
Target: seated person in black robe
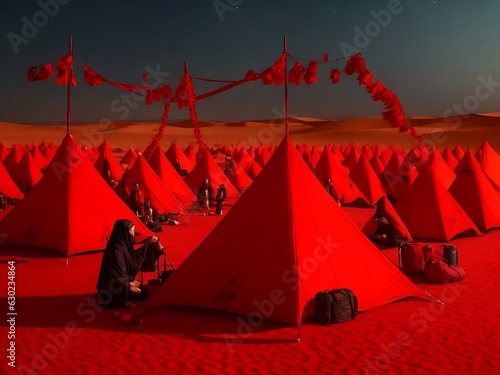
386	234
331	190
116	284
220	199
3	204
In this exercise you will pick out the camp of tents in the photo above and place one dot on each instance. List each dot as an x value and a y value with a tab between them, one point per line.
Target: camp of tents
285	238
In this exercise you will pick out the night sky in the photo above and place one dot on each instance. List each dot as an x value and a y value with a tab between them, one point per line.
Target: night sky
433	54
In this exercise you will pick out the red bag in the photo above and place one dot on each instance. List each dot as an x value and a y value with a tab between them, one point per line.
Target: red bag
411	258
438	271
428	251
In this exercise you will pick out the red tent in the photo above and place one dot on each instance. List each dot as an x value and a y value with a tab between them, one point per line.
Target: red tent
26	173
4	151
105	153
440	169
253	169
169	176
429	211
490	161
191	155
458	152
174	153
263	156
315	154
370	227
129	157
352	157
309	160
299	242
449	158
475	194
14	157
366	180
162	199
206	167
40	160
238	177
330	167
7	186
71	209
376	165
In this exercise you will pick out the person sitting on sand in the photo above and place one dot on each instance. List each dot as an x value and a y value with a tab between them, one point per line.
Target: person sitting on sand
386	234
116	284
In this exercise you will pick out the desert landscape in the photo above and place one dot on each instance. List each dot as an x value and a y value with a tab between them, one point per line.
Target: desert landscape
60	330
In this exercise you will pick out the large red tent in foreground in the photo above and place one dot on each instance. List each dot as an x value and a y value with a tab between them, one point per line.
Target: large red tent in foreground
300	242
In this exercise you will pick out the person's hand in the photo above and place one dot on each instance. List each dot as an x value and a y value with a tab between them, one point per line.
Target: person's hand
154	239
134	287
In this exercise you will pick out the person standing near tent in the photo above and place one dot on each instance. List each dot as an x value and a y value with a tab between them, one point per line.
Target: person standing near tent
136	200
220	198
3	205
116	284
205	196
331	190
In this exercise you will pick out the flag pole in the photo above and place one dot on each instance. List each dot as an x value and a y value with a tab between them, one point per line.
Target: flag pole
286	86
70	79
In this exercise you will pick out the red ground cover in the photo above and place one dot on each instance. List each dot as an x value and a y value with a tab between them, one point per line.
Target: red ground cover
60	331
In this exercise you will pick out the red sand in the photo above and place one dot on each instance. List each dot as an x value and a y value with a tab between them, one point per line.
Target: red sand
405	337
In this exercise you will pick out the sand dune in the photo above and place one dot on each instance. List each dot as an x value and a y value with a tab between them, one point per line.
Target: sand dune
468	131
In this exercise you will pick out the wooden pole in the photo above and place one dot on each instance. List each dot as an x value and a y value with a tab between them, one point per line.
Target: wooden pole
70	79
286	86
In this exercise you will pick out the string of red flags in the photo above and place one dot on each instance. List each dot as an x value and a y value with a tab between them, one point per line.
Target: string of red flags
184	94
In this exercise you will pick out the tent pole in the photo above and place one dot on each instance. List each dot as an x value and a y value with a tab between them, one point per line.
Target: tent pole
70	79
298	334
286	85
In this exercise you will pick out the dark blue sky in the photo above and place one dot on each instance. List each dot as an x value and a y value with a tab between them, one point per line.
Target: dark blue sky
435	55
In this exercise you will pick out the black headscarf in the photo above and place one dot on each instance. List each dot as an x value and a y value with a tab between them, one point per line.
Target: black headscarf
120	264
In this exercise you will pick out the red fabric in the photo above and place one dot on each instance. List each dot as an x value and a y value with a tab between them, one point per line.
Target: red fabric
38	73
490	162
40	160
458	152
162	199
366	180
169	176
329	167
64	68
7	186
335	76
190	154
352	157
105	153
428	210
4	151
26	174
325	57
239	269
441	169
129	157
206	167
377	166
295	74
475	194
238	177
71	209
253	169
159	135
262	157
14	157
438	271
449	158
385	208
311	74
174	153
